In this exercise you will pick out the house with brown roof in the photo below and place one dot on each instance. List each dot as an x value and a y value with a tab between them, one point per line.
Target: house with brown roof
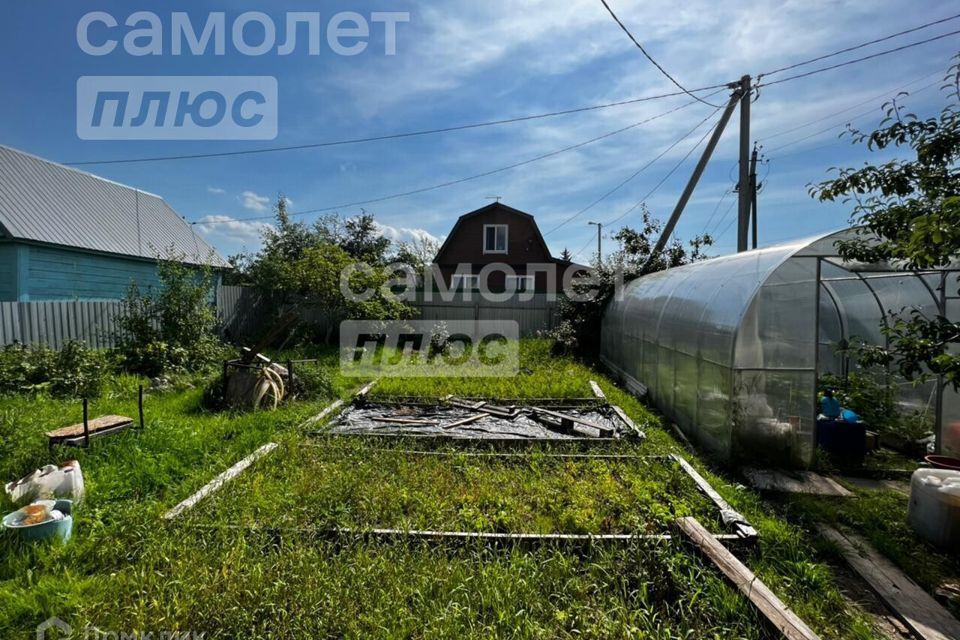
498	248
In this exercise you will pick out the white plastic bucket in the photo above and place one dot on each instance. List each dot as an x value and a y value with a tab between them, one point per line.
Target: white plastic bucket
935	507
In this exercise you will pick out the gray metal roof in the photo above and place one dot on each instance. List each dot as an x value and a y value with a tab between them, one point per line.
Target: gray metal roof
42	201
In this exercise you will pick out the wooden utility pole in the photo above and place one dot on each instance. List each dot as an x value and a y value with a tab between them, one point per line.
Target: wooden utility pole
753	196
697	172
743	217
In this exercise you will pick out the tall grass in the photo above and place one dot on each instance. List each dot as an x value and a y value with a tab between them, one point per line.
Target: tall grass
126	571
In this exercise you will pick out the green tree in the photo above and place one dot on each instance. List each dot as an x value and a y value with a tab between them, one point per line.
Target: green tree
578	329
907	212
303	265
418	253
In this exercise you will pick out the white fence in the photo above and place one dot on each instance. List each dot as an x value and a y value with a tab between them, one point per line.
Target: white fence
244	313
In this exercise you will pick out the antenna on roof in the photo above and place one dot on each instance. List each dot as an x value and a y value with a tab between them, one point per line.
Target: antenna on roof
497	198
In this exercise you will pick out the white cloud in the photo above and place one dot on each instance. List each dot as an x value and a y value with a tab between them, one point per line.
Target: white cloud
405	234
255	202
216	190
223	230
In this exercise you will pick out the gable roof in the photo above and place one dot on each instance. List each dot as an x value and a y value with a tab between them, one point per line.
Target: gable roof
42	201
501	208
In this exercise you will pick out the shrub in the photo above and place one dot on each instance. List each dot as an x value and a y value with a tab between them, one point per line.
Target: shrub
171	329
312	381
74	371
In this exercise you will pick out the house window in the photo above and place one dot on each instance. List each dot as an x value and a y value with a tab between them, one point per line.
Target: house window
520	283
494	238
464	282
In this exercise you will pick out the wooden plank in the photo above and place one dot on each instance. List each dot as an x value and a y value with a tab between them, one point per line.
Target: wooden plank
455	536
597	391
407	421
81	441
730	516
365	390
462	421
336	404
779	615
217	483
563	416
627	421
499	412
97	424
923	615
806	482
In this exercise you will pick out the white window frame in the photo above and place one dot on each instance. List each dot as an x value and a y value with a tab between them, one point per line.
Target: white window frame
506	238
459	281
530	283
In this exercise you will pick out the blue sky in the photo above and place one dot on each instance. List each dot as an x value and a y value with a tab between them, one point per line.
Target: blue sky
465	61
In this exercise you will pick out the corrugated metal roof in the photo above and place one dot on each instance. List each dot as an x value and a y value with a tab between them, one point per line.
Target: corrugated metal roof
47	202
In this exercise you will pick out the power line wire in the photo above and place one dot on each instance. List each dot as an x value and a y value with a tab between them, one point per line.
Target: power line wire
855	61
649	57
715	209
720	221
459	180
664	179
393	136
632	176
839	124
861	46
872	100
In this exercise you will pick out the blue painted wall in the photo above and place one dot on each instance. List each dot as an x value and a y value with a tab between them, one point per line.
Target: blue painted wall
62	274
32	273
8	272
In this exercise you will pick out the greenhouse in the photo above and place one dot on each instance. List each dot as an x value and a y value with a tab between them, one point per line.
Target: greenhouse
732	349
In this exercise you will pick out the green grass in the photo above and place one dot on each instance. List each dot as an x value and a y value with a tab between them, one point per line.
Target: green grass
126	571
880	517
348	485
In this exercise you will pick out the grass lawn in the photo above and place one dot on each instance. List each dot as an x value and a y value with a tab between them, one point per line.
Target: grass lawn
127	571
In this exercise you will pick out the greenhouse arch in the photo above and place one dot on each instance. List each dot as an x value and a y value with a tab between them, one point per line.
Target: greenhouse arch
731	349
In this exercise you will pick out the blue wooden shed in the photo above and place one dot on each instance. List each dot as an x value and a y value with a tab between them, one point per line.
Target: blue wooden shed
70	235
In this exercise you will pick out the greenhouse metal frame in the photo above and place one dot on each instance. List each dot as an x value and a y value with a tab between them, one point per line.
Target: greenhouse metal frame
732	349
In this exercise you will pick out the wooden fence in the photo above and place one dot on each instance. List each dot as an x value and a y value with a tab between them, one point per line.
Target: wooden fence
244	313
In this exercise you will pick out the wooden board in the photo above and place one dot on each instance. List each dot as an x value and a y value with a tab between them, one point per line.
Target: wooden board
779	615
462	421
922	614
730	516
336	404
806	482
365	390
597	391
563	416
627	421
217	483
97	424
406	421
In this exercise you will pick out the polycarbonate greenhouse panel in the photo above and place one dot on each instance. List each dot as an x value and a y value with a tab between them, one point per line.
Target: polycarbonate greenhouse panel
731	348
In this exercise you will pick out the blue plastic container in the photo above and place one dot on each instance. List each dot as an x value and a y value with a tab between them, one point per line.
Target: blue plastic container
61	529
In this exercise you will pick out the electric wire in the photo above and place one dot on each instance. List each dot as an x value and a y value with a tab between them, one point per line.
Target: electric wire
855	61
648	56
665	178
632	176
450	183
393	136
860	46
